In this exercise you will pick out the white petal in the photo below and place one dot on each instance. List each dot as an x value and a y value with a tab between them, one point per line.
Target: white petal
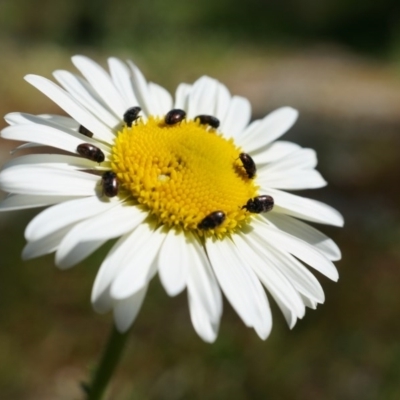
307	233
58	161
60	120
272	278
51	136
54	218
75	86
223	101
282	273
126	310
182	96
91	233
290	180
297	274
240	286
301	207
121	77
269	129
45	245
300	159
202	97
139	262
299	248
173	262
274	152
202	324
111	267
237	117
162	100
101	83
43	119
202	283
141	89
44	181
22	201
71	106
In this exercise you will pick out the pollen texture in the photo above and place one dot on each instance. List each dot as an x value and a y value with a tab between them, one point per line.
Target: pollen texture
182	173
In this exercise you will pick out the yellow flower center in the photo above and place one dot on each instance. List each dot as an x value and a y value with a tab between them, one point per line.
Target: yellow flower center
182	173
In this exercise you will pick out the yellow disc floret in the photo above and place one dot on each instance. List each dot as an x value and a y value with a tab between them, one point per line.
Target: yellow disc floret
182	173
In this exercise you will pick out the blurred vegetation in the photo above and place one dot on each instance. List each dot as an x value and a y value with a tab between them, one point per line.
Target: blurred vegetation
367	26
334	60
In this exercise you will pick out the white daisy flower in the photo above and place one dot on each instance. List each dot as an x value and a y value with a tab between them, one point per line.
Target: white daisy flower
191	189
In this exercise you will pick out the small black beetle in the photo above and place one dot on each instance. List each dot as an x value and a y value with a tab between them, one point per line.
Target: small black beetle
131	114
110	183
208	120
85	131
174	116
260	204
90	152
248	164
212	220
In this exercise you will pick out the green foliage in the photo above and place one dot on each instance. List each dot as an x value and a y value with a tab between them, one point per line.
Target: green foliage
368	26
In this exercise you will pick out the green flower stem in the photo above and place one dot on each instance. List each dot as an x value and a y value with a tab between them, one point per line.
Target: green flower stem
108	362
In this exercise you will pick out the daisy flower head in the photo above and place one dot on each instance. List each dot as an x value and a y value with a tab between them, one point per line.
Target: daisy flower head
189	187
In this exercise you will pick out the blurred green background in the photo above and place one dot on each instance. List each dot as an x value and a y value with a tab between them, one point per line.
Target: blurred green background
338	62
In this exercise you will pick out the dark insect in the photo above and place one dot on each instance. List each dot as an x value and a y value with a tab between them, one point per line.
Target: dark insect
212	220
260	204
110	183
90	152
174	116
85	131
208	120
131	114
248	164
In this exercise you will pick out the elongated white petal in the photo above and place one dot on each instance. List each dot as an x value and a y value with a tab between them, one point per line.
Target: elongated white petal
273	152
240	286
139	263
162	100
307	233
301	207
58	121
126	310
69	104
23	201
101	83
202	97
300	159
58	161
141	90
75	86
298	275
290	180
299	248
237	117
202	324
54	218
222	103
182	95
202	283
44	181
173	262
112	266
91	233
267	130
272	278
50	136
45	245
121	76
